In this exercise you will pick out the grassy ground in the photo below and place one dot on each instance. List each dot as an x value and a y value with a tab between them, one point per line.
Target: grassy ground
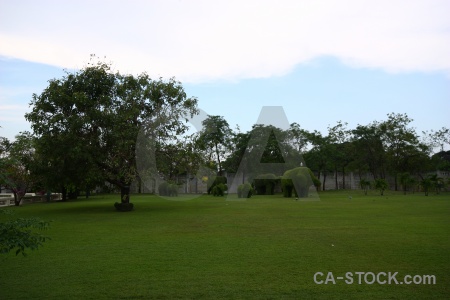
267	247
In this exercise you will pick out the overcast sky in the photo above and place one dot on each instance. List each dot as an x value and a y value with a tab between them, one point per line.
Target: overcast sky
322	61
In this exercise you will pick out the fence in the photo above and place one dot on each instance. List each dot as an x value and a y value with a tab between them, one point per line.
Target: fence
7	199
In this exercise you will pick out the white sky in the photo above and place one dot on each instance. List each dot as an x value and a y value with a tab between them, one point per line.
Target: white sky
204	40
349	60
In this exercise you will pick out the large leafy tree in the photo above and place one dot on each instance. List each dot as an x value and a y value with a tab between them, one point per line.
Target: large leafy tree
400	142
298	137
179	158
342	150
318	158
239	143
439	138
67	166
16	164
215	139
370	153
102	113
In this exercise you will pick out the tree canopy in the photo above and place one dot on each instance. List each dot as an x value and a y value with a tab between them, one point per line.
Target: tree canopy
93	125
94	116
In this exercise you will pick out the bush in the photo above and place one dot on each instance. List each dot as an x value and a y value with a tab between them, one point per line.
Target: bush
298	181
316	183
265	184
365	185
287	186
216	181
168	189
124	206
19	234
381	185
245	190
219	190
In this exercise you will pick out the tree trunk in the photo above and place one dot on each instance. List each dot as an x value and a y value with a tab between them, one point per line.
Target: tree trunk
125	193
218	160
324	179
17	199
64	194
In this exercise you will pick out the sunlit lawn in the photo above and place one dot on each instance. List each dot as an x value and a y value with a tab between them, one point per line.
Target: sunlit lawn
266	247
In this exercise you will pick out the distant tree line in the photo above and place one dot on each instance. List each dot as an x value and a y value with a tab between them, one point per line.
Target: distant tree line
89	125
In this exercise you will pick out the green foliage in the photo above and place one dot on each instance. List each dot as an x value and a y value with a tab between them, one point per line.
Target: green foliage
426	184
433	181
320	156
297	181
214	181
90	121
239	143
441	161
381	185
265	184
17	166
245	190
219	190
168	189
316	183
215	138
406	180
365	185
180	157
269	151
18	234
438	183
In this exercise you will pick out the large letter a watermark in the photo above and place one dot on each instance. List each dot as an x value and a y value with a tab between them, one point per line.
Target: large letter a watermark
269	153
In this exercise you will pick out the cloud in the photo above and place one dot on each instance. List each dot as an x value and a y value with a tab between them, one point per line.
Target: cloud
11	116
206	40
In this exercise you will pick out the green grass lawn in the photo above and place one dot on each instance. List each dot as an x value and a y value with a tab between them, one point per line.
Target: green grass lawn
266	247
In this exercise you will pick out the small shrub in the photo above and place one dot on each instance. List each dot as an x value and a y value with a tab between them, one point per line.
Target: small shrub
239	190
245	190
381	185
219	190
212	182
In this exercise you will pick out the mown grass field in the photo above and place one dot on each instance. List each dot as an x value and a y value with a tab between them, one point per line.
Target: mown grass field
266	247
